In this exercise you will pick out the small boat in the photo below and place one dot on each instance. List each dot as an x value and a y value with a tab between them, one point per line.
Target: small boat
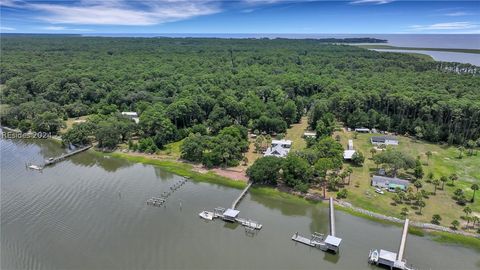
206	215
34	167
373	256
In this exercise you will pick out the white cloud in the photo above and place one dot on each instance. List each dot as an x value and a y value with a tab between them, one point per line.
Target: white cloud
376	2
9	3
119	12
63	28
458	13
5	28
445	26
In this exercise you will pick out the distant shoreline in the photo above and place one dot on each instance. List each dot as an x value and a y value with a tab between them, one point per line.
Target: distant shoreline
458	50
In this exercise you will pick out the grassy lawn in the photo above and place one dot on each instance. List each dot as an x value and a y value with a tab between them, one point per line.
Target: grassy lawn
444	161
71	121
172	150
295	134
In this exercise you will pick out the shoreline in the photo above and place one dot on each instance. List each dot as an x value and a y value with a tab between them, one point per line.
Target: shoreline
390	47
436	232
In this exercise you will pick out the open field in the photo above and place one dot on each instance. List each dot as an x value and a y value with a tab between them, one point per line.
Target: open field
71	121
444	161
375	46
295	134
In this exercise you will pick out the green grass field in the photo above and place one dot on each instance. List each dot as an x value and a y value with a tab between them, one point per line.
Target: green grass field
295	134
444	161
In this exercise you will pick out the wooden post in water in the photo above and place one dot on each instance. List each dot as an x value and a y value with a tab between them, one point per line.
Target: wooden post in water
401	249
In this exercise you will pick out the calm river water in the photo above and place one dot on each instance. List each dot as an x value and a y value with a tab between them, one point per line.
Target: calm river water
89	212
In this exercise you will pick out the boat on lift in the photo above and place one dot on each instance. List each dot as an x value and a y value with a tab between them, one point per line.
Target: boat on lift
206	215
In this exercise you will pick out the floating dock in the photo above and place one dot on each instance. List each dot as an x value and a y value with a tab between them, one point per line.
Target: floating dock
392	259
331	243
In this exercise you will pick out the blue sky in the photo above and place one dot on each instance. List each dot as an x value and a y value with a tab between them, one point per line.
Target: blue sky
239	16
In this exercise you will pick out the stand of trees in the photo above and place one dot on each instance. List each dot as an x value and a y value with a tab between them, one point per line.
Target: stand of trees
265	85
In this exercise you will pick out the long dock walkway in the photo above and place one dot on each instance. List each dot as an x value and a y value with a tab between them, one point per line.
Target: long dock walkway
239	198
331	243
52	161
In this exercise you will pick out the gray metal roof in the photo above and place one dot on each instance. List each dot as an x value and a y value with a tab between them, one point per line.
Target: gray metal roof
383	138
332	240
390	180
387	255
231	213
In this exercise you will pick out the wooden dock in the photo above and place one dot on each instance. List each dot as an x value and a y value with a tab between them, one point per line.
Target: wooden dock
52	161
239	198
331	243
392	259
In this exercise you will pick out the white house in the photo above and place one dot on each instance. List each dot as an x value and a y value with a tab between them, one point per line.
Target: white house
309	134
384	140
132	115
279	148
348	154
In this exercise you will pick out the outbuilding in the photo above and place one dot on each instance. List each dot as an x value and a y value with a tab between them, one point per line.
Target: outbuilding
384	140
230	215
389	183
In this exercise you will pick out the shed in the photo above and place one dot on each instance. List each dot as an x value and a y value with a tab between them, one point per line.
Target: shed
389	183
384	140
348	154
387	258
333	243
309	134
230	214
362	130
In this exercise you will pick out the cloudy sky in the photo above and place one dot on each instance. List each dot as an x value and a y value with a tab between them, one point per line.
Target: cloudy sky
239	16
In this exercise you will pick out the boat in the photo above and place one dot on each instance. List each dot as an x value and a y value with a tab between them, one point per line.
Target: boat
34	167
373	256
206	215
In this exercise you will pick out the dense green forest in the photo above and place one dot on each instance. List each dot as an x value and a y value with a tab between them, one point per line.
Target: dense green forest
215	87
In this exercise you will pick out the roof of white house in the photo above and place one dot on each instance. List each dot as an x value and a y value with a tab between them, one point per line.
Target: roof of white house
332	240
362	129
350	144
309	134
282	142
130	113
348	154
277	151
231	213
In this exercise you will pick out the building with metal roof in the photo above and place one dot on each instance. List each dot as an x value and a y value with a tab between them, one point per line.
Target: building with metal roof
389	183
384	140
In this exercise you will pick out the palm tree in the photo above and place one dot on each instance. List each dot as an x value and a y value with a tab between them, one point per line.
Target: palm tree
418	184
460	151
429	155
373	151
421	204
435	183
404	212
455	224
474	187
349	171
453	177
436	219
443	179
467	210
